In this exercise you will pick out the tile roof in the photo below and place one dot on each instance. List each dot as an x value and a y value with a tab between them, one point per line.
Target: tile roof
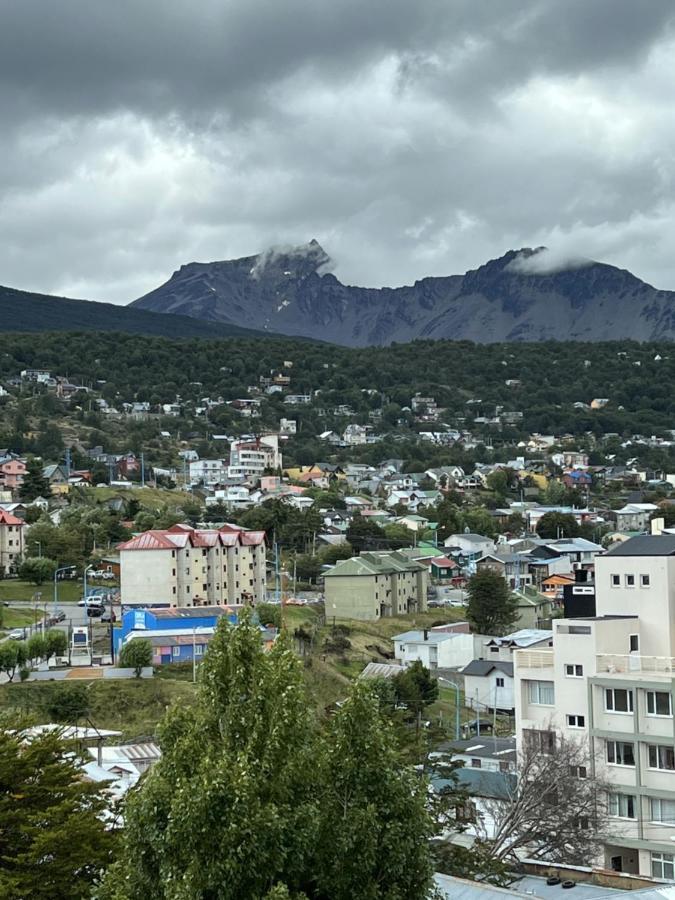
8	519
180	536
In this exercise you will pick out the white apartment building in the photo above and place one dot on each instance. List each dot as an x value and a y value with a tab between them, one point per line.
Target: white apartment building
609	680
186	567
250	459
11	542
207	471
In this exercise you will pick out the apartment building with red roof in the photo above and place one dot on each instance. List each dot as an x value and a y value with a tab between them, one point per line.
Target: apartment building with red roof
184	566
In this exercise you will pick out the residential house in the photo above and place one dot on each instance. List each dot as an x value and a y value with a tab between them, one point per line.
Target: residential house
11	543
471	546
208	472
12	473
57	476
633	516
183	566
251	458
437	648
513	567
372	585
442	568
488	685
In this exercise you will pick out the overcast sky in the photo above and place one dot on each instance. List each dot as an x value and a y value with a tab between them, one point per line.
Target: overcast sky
410	137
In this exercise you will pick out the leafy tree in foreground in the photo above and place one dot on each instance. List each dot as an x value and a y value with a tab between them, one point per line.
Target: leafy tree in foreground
492	608
53	840
12	656
251	800
57	643
416	687
136	655
36	569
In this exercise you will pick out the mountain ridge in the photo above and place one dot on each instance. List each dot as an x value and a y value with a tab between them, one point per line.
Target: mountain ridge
521	296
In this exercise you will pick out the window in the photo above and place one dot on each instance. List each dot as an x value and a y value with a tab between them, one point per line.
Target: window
619	753
574	671
629	580
621	806
199	649
541	693
475	763
662	811
583	823
618	700
541	740
616	580
659	703
661	757
494	649
634	643
175	651
663	865
576	721
644	580
578	771
504	766
499	682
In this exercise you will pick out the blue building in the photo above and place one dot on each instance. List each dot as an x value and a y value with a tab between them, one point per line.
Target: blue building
171	623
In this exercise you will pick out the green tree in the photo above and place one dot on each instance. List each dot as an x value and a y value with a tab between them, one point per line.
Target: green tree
68	702
555	525
54	840
416	688
374	827
364	534
9	658
36	647
136	655
492	608
269	614
37	569
237	770
56	643
34	482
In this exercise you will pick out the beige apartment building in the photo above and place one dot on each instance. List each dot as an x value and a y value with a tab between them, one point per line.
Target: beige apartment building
11	542
374	585
609	680
183	566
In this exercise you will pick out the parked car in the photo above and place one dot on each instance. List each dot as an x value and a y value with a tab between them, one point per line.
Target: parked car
108	616
91	601
95	611
19	634
56	617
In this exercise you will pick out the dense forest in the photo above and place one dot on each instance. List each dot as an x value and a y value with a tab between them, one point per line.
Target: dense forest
544	381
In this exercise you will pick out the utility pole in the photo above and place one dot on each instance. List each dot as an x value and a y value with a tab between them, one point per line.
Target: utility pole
142	470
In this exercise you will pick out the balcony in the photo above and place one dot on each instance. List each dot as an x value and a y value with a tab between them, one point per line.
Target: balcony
634	664
534	662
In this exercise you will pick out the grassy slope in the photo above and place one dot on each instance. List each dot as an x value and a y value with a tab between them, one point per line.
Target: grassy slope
135	707
69	591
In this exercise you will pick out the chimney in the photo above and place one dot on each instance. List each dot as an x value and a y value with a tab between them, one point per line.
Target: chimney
426	634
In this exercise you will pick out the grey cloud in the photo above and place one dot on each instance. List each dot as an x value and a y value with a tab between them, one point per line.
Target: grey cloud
409	138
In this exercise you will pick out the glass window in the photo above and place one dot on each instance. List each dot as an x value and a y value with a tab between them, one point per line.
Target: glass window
644	580
620	753
661	810
542	693
618	700
622	806
578	771
663	865
576	721
499	682
572	670
199	649
475	763
634	643
543	741
616	580
661	757
659	703
630	581
175	651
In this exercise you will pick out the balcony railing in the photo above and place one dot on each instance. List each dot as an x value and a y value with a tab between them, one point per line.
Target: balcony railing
533	659
629	662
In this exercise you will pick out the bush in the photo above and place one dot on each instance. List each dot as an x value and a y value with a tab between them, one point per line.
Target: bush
337	643
136	655
269	614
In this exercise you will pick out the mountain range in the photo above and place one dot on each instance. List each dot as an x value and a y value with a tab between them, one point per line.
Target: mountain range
518	297
522	296
22	311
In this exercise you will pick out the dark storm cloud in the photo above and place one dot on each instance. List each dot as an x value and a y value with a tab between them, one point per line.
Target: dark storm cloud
410	138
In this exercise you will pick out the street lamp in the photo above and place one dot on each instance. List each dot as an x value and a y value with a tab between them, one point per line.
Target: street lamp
84	580
56	589
456	689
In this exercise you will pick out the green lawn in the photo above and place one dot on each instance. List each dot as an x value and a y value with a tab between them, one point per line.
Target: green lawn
132	706
13	589
17	618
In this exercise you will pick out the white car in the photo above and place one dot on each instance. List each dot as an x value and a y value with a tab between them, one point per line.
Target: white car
17	635
91	601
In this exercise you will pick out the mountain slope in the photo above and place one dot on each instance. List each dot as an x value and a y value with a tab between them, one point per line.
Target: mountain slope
25	311
512	298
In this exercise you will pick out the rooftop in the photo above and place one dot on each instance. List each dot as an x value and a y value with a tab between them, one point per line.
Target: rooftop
645	545
428	637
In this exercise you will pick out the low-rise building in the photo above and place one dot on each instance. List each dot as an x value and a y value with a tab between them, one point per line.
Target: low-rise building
372	585
11	542
434	648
